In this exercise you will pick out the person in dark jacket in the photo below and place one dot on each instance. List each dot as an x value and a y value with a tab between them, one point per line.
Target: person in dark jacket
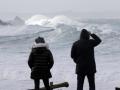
40	62
82	53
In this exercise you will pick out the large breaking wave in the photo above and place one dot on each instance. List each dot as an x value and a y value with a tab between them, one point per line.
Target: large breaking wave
60	30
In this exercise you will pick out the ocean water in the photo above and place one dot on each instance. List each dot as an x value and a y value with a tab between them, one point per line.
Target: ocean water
59	32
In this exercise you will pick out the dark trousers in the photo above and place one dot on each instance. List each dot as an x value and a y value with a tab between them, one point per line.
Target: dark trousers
91	80
45	81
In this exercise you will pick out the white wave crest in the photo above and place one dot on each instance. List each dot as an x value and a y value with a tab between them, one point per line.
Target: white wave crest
37	20
47	21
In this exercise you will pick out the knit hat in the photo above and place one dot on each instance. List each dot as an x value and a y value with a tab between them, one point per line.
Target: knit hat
40	40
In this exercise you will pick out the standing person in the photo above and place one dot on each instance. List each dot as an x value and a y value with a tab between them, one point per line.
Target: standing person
82	54
40	62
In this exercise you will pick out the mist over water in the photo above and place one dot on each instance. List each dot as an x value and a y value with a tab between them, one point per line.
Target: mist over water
59	30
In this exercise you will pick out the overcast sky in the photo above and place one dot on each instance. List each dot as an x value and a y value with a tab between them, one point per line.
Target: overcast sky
39	6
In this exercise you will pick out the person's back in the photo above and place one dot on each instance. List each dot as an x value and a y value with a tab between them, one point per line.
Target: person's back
83	55
41	56
41	63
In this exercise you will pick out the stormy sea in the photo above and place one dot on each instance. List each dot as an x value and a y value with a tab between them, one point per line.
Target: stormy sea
17	37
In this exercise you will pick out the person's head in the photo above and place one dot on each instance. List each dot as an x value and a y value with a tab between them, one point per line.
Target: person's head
84	34
40	40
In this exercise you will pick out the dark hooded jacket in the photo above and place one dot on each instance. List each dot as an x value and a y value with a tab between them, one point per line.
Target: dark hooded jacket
83	54
40	61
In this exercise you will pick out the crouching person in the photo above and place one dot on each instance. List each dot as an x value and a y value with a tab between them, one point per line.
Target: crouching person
40	62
